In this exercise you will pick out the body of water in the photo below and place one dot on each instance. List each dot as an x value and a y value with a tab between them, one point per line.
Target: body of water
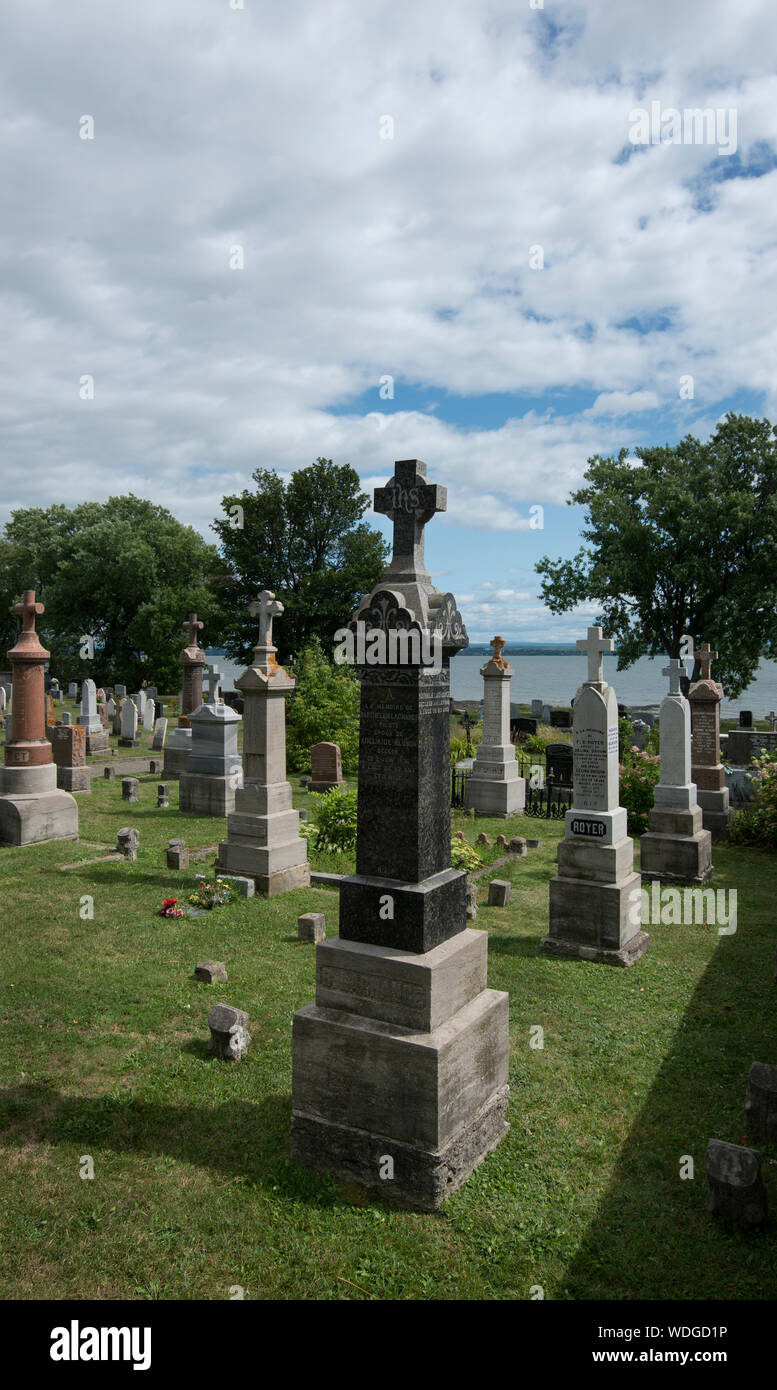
555	679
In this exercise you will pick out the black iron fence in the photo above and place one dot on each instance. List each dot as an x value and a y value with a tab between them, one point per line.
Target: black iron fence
552	800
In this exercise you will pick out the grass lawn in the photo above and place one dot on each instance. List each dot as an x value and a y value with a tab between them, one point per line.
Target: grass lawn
104	1054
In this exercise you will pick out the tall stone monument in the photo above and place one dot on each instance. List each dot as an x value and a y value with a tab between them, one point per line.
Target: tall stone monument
676	848
214	771
31	806
707	770
263	840
400	1066
494	787
595	899
89	720
179	744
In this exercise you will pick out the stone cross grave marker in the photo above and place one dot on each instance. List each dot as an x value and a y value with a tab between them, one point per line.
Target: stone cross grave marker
594	645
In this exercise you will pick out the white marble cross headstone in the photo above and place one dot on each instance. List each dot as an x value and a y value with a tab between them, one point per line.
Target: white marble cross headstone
213	676
594	645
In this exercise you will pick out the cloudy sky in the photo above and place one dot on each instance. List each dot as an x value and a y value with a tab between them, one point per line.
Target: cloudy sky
445	195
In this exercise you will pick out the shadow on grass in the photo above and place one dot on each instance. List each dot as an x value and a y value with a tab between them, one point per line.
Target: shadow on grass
652	1237
240	1139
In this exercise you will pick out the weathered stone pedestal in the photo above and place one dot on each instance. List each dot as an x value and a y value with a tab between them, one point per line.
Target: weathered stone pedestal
676	847
263	840
595	899
214	771
494	787
707	771
32	809
400	1066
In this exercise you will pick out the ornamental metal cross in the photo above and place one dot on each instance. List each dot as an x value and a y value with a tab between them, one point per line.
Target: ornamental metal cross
28	609
594	645
706	657
265	608
193	627
410	502
674	671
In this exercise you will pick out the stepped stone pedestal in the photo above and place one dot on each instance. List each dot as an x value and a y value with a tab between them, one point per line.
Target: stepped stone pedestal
32	809
595	899
676	847
179	744
707	771
400	1066
494	787
263	840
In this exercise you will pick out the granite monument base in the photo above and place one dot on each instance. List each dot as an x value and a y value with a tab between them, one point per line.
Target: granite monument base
205	795
97	743
400	1067
716	813
494	798
179	746
32	809
324	786
73	779
676	849
592	919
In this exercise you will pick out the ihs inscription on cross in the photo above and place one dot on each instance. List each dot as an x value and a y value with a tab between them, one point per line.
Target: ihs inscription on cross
705	657
28	610
192	626
594	645
674	671
410	502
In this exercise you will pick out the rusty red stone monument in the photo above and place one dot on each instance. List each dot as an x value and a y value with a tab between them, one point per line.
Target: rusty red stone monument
192	658
31	806
707	771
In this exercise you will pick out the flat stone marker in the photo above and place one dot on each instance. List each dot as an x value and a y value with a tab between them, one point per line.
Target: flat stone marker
177	855
737	1194
229	1035
518	845
499	892
244	886
311	926
210	971
129	788
761	1101
163	795
533	844
127	842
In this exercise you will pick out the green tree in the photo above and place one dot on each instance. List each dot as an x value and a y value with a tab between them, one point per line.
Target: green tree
323	708
305	541
124	572
681	542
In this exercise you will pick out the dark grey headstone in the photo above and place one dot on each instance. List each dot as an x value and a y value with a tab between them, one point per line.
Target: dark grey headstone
745	719
761	1102
736	1191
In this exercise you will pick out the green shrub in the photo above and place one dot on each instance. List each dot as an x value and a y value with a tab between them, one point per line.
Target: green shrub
458	750
638	777
323	709
757	824
463	856
335	820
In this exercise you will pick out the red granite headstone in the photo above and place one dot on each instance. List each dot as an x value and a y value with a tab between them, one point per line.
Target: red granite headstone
28	745
326	767
192	660
69	745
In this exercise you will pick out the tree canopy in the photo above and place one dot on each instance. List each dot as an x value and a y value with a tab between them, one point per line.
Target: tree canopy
681	541
123	572
304	540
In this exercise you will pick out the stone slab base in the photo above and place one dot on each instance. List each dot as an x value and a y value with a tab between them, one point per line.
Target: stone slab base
73	779
97	744
718	823
202	795
676	859
494	798
601	916
27	820
283	880
175	762
324	786
626	955
423	1178
128	743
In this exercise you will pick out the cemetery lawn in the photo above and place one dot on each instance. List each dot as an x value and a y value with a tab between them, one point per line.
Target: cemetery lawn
104	1055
